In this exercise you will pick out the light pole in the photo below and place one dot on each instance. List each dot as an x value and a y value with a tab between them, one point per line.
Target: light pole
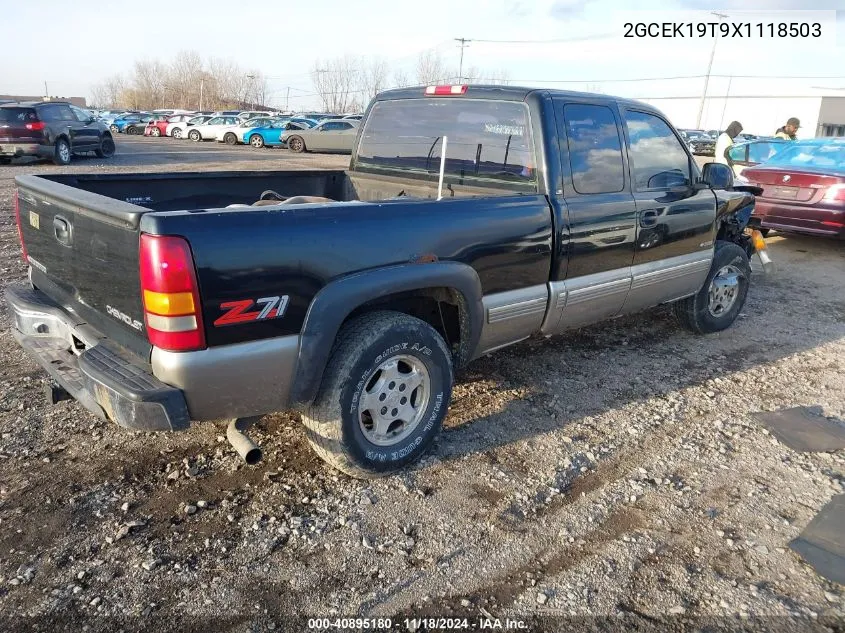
709	67
202	85
463	44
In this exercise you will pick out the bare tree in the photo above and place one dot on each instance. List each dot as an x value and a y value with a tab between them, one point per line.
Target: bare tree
372	77
335	83
431	69
400	78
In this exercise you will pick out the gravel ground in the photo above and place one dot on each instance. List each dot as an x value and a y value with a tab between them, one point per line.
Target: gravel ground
614	471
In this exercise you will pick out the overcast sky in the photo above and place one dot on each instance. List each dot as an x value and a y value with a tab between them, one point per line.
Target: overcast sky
74	44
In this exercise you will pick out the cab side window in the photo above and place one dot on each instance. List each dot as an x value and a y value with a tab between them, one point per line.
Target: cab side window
658	160
595	150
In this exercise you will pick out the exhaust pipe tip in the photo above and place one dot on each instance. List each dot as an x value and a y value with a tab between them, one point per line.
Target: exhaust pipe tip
248	450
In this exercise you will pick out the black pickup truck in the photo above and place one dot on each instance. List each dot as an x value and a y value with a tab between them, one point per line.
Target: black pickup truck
470	218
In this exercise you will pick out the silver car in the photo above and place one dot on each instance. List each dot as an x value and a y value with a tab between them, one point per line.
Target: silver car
331	135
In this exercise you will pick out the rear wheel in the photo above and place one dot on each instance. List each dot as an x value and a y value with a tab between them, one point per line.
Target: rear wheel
106	149
385	392
256	140
114	129
194	135
230	139
720	300
296	144
61	152
176	132
131	130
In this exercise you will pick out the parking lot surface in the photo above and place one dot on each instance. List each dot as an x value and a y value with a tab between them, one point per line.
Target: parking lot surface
614	470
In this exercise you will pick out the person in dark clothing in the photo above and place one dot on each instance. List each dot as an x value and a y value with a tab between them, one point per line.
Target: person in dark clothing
788	132
725	142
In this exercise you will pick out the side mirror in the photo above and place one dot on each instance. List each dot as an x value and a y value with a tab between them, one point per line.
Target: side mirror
717	176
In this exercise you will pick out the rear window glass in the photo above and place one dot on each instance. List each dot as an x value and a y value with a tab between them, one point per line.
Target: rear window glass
824	156
489	142
17	115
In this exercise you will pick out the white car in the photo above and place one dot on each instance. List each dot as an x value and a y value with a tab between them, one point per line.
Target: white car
235	134
174	120
207	131
180	129
246	116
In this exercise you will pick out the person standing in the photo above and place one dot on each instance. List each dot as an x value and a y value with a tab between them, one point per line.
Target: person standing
788	132
725	142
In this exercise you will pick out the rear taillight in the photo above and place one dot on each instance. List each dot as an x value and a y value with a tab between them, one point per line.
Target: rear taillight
37	126
445	91
170	294
835	193
20	227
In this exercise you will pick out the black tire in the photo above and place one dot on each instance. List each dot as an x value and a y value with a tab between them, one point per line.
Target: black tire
695	313
336	428
257	141
195	136
764	232
107	148
62	151
296	144
131	131
5	161
230	139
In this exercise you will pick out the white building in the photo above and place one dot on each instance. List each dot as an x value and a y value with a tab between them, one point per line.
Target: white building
820	115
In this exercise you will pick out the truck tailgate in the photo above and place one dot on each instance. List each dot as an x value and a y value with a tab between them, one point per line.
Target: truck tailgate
83	252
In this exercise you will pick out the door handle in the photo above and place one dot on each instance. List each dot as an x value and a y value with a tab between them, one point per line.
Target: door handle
648	218
62	230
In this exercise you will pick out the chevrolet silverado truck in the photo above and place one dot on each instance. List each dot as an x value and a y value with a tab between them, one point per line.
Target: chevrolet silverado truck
470	218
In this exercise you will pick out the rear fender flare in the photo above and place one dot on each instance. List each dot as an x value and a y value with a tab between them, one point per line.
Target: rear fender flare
336	301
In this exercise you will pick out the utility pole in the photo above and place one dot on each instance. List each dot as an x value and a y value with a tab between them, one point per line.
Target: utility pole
725	106
46	92
202	85
463	44
287	100
721	16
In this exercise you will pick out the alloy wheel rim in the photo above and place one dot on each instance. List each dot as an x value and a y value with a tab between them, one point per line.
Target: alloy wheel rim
724	290
393	401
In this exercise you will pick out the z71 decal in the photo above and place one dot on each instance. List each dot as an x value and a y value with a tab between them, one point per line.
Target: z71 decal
241	311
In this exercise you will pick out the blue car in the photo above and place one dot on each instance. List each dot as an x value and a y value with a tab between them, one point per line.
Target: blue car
119	124
270	136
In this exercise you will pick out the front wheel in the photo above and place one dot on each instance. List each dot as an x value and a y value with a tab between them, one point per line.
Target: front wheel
194	135
176	132
385	392
230	139
256	141
296	144
720	300
155	132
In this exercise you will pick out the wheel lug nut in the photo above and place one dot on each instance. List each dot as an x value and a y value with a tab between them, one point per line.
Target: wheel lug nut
383	410
382	397
403	401
402	387
394	412
391	385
